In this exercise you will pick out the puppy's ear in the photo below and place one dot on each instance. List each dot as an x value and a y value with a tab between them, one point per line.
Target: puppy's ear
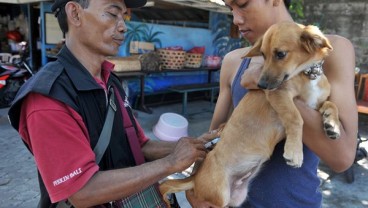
312	39
255	50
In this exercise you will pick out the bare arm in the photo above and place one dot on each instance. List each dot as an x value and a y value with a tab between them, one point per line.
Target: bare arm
224	105
111	185
339	68
154	150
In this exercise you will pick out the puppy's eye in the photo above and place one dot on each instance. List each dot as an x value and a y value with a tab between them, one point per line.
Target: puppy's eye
280	54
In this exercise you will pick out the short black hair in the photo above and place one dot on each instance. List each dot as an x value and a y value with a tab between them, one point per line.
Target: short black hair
62	17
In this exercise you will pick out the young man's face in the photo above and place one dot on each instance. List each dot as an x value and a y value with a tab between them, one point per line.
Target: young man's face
103	26
253	17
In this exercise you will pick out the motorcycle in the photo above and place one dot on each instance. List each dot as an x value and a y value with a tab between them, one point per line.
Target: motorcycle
13	76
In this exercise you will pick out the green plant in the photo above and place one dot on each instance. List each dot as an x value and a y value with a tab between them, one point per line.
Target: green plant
141	32
297	9
151	36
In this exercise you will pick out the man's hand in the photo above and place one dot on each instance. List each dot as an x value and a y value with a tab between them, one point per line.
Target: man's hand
209	136
189	150
186	152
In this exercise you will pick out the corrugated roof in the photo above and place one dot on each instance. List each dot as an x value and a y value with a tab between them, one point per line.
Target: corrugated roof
209	5
180	12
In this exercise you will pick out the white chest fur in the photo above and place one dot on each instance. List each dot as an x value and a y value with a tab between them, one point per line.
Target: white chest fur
314	93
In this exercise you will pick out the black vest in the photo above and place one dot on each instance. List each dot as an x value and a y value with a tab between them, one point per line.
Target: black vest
67	81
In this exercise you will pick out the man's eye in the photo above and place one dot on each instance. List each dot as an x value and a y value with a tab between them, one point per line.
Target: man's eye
112	14
280	54
243	5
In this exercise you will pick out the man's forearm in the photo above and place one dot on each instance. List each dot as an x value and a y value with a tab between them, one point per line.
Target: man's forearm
154	150
112	185
336	153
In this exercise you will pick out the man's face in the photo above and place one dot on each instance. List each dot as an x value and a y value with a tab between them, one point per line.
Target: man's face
103	26
253	17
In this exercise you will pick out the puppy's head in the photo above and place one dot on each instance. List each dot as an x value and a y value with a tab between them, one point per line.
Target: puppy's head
288	48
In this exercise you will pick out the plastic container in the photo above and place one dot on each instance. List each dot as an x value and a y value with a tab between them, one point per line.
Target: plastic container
213	61
171	127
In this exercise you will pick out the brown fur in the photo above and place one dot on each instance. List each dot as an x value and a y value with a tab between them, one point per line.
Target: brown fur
264	117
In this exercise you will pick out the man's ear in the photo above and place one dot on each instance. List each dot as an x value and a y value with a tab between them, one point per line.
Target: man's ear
72	10
255	50
312	39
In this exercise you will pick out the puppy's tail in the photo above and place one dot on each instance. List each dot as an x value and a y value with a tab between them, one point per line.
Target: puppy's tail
177	185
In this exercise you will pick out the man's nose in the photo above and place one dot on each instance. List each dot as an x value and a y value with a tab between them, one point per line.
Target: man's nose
237	18
121	26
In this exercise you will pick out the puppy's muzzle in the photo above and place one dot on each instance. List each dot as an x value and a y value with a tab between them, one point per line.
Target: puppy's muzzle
268	83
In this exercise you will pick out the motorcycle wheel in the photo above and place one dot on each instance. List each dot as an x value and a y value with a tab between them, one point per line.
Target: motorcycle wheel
9	92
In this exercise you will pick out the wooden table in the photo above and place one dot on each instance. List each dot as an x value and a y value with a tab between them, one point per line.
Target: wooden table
142	74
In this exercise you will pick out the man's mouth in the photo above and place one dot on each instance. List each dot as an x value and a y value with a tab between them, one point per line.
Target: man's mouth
119	41
244	32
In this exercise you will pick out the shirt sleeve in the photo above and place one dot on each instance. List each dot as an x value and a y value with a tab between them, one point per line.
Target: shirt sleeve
59	141
141	135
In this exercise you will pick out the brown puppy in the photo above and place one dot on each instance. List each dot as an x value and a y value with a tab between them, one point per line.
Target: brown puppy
264	117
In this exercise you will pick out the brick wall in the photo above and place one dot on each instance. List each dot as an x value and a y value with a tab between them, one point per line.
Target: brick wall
348	18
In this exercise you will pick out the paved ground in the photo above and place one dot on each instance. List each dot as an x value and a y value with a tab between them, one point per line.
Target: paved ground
18	178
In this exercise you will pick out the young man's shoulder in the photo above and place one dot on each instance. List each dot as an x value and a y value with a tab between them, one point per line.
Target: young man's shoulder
342	48
233	59
341	60
338	41
237	53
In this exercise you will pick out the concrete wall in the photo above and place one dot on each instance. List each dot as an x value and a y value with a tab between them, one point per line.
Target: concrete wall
348	18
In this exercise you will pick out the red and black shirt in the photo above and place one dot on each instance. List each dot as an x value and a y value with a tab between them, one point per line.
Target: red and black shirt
59	114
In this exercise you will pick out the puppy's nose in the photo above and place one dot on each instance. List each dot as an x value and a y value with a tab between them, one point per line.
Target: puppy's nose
262	85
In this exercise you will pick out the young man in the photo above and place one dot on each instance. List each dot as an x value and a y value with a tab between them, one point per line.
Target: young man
61	111
279	185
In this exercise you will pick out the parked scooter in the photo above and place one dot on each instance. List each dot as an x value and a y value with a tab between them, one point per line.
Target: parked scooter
13	75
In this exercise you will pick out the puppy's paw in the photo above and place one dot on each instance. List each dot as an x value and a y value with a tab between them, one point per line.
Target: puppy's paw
294	160
330	117
332	130
331	125
293	155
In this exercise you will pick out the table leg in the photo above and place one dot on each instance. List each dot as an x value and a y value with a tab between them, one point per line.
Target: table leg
142	106
212	97
185	100
209	76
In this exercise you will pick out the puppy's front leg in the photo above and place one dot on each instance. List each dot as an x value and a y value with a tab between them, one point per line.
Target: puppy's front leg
330	117
282	102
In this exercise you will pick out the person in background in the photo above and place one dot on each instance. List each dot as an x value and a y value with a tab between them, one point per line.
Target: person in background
280	185
61	111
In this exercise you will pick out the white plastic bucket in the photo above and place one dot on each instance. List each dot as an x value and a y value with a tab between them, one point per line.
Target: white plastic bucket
171	127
